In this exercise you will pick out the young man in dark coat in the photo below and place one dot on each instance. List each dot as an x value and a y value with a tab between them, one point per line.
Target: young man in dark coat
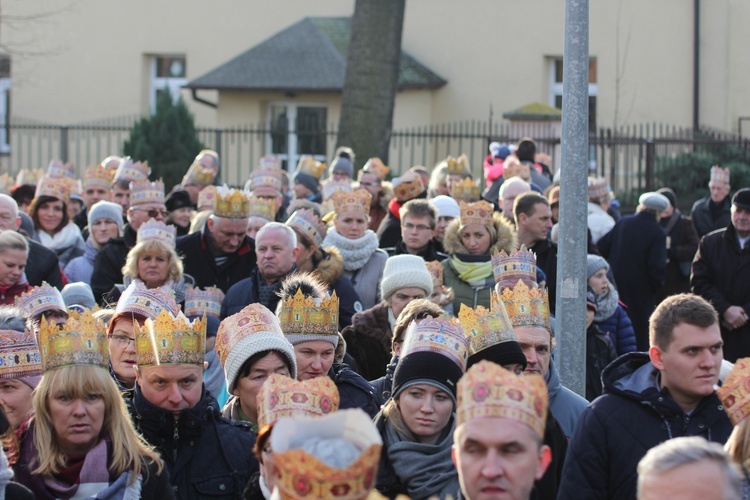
405	188
649	398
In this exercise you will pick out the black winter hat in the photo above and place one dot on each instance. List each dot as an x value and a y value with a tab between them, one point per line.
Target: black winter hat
177	199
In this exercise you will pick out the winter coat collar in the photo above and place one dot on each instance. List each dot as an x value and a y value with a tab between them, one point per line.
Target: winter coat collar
331	268
506	237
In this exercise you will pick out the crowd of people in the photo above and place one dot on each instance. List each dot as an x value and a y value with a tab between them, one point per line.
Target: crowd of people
336	334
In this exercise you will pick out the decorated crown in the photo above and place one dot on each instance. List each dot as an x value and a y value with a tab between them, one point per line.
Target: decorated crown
476	213
265	178
487	390
308	165
457	166
309	316
111	162
167	340
485	328
408	186
734	393
270	162
519	265
300	474
200	174
199	302
19	355
58	169
99	176
436	271
376	166
512	167
29	176
598	188
254	318
281	396
132	172
6	183
333	186
40	299
719	174
80	341
466	190
57	187
158	231
207	198
308	224
146	192
439	335
527	306
356	201
231	203
148	302
265	208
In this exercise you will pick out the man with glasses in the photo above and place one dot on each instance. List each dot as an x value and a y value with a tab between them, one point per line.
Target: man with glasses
418	218
146	202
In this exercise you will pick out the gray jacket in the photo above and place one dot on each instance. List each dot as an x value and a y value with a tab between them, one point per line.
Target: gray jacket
565	405
366	280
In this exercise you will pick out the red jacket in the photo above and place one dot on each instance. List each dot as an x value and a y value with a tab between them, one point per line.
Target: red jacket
8	294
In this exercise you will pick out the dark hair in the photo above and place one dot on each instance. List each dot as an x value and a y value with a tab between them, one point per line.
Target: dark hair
41	200
249	362
23	193
121	184
526	203
526	149
419	208
415	310
683	308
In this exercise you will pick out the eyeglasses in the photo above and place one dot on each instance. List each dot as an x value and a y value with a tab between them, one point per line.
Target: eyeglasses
122	340
152	212
419	227
370	184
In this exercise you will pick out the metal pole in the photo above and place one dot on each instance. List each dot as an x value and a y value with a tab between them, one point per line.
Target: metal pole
571	275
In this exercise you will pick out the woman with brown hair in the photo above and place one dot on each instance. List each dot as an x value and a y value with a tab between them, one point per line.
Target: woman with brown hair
54	229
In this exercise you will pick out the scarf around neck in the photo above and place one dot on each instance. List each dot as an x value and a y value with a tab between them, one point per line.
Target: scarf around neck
606	304
65	238
356	252
476	270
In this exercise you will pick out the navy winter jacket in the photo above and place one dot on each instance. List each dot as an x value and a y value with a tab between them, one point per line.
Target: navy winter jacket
620	330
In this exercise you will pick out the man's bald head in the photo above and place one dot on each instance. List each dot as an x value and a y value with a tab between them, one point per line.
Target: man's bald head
9	219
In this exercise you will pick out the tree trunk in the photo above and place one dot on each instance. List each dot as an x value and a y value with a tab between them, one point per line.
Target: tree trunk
372	70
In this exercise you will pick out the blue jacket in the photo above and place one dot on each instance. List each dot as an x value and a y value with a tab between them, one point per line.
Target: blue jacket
565	405
354	391
619	427
620	330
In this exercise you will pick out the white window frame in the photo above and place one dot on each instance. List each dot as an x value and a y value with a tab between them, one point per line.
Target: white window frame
157	83
5	86
556	88
292	156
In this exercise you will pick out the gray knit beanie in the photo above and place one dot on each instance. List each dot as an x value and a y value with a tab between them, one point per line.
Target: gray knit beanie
78	293
342	164
594	263
106	210
405	271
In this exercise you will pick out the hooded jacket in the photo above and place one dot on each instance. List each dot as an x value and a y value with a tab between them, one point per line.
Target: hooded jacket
465	293
565	405
618	428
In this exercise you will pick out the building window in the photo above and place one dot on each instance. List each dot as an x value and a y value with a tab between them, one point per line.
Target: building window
4	104
556	88
167	72
296	130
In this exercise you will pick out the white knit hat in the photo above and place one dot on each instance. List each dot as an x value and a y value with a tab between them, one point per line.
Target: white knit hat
446	206
405	271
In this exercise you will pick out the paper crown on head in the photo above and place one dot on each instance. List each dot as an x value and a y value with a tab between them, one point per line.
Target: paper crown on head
377	167
356	201
527	306
487	390
19	355
734	393
281	396
98	176
231	203
40	299
155	230
80	341
111	162
719	174
132	172
308	165
57	187
200	174
437	335
485	328
476	213
333	186
598	188
199	302
303	315
265	208
519	265
300	474
6	183
270	162
147	302
207	198
466	190
146	192
58	169
170	340
269	178
408	186
512	167
308	224
29	176
457	166
436	271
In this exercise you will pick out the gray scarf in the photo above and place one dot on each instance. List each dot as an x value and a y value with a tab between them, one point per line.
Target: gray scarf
426	470
357	252
606	304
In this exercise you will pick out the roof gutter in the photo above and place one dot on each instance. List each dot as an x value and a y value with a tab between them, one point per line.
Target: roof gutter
210	104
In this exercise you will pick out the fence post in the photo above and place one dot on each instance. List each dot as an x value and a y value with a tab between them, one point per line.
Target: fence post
217	141
650	159
64	143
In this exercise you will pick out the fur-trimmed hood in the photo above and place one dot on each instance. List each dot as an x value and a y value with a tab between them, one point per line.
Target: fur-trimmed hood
507	238
331	268
386	194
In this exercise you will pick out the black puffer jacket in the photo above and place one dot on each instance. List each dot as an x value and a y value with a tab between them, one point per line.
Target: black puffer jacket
354	391
109	261
206	455
618	428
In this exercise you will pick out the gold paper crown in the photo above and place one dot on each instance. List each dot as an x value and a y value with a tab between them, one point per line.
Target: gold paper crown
199	302
436	271
527	306
169	340
476	213
487	390
309	316
132	172
466	190
512	167
154	230
29	176
457	166
356	201
308	165
519	265
735	392
271	162
598	188
265	208
98	176
80	341
306	222
146	192
207	198
408	186
265	178
19	355
200	174
376	166
58	169
231	203
281	396
147	302
719	174
333	186
485	328
40	299
6	183
57	187
444	336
